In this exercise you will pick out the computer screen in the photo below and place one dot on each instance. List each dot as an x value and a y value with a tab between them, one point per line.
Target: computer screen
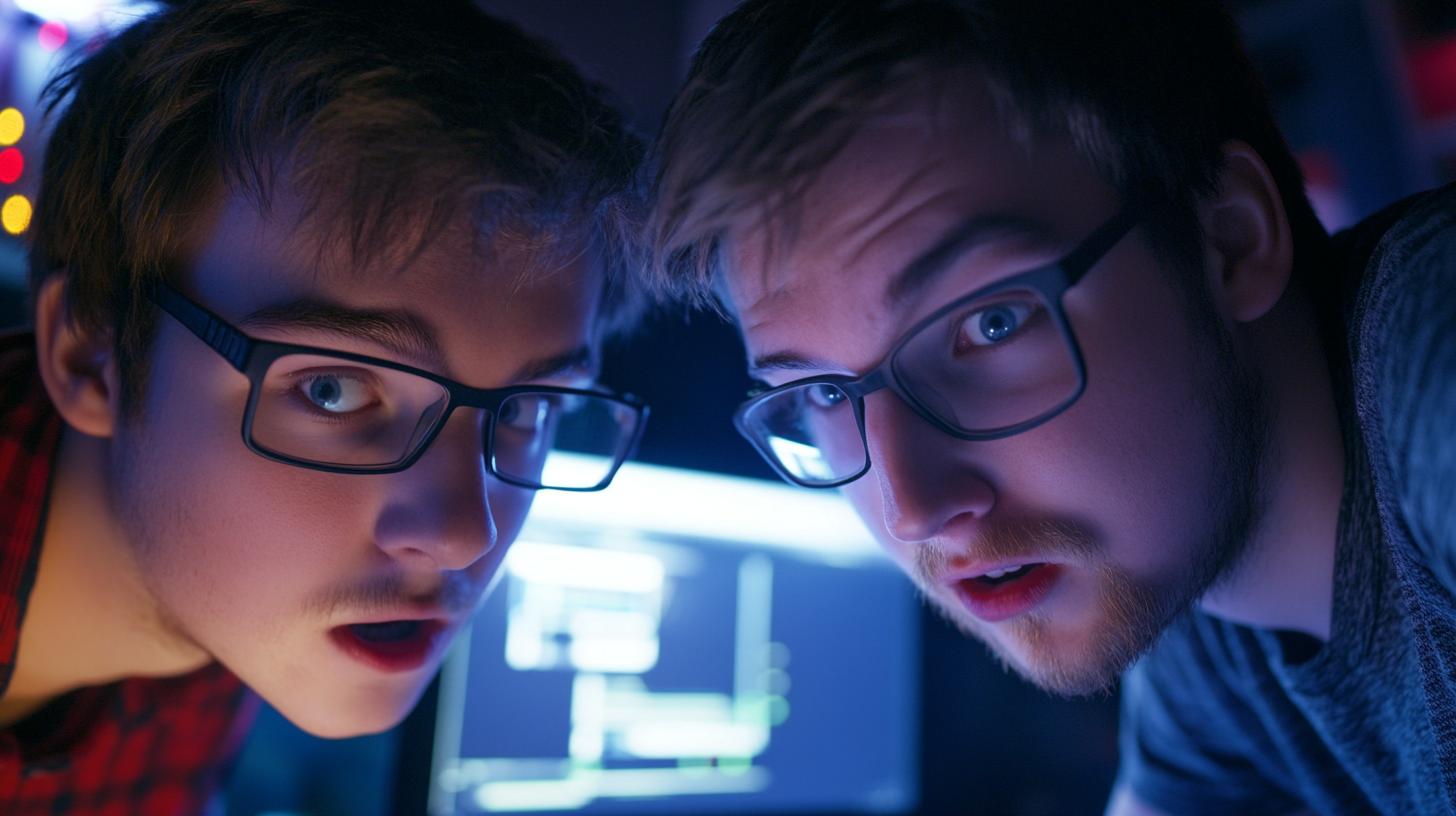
684	643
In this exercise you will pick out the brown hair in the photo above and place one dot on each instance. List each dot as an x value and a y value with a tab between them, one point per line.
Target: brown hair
377	108
1148	91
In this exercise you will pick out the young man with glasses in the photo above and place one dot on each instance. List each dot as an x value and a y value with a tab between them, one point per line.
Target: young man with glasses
318	293
1037	285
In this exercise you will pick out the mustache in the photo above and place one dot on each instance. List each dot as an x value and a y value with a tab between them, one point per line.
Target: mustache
1006	540
454	594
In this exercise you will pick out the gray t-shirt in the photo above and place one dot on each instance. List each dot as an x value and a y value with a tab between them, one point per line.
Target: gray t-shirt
1226	719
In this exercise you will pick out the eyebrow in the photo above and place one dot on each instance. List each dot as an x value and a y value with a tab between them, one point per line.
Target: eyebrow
581	358
788	361
399	331
962	239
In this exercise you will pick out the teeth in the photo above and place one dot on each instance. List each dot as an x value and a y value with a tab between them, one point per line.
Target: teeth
1001	572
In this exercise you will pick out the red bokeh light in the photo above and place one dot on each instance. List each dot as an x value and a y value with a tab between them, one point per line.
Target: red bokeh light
53	35
12	164
1433	78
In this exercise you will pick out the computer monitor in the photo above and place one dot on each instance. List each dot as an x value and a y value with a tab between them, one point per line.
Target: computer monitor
684	643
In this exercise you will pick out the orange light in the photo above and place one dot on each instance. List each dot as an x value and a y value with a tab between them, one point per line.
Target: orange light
12	126
15	214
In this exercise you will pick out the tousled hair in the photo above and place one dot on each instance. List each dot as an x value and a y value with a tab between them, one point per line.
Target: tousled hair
392	120
1147	90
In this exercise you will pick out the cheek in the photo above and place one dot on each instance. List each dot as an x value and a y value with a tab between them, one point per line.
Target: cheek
224	535
1134	452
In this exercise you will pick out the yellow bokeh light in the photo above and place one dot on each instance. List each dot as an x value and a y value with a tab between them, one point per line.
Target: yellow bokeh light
12	126
15	214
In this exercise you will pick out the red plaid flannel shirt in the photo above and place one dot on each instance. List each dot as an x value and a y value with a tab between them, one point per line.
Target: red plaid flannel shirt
139	746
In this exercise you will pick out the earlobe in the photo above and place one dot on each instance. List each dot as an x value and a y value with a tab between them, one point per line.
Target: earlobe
1250	246
77	367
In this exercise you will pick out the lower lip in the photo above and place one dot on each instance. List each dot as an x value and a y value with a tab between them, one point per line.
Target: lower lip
1003	601
405	654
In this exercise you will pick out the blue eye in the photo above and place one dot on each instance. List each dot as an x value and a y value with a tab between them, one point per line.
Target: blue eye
336	393
993	324
997	323
824	396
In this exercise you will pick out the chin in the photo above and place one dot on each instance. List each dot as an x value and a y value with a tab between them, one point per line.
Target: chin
1069	664
1070	678
344	715
1076	663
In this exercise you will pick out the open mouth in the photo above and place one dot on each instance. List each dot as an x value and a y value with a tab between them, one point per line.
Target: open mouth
1001	594
391	646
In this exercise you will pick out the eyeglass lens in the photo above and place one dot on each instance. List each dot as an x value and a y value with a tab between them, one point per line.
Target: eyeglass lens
561	440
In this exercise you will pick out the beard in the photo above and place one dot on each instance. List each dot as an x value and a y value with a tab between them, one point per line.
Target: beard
1131	611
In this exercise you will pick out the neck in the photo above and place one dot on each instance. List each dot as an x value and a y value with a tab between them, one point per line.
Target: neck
90	619
1286	578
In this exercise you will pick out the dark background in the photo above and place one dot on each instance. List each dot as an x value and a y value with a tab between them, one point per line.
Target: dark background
1366	92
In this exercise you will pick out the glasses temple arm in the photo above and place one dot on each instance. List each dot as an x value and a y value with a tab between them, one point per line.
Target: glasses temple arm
233	345
1099	243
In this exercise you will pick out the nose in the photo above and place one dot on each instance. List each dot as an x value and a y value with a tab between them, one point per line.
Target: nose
438	515
924	482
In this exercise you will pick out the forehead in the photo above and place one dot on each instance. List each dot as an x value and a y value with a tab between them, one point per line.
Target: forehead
489	305
903	181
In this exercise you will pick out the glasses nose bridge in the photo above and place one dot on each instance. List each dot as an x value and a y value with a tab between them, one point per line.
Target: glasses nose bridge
468	396
883	378
484	403
878	379
482	421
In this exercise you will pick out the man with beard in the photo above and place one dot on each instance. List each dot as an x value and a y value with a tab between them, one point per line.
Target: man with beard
318	292
1038	286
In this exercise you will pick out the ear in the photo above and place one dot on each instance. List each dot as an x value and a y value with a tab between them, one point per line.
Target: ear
1250	248
77	367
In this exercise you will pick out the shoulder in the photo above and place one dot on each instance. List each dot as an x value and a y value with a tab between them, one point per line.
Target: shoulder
1405	256
1403	339
178	736
1194	691
1199	669
1190	731
201	719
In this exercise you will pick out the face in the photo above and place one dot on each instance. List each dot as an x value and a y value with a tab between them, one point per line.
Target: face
333	596
1067	548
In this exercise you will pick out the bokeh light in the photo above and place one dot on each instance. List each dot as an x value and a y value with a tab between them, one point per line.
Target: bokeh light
53	35
12	126
15	214
12	164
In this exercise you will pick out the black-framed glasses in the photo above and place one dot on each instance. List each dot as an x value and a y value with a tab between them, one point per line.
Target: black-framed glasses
996	362
349	413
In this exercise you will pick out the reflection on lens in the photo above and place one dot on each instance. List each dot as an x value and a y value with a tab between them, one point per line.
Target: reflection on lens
811	431
570	441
